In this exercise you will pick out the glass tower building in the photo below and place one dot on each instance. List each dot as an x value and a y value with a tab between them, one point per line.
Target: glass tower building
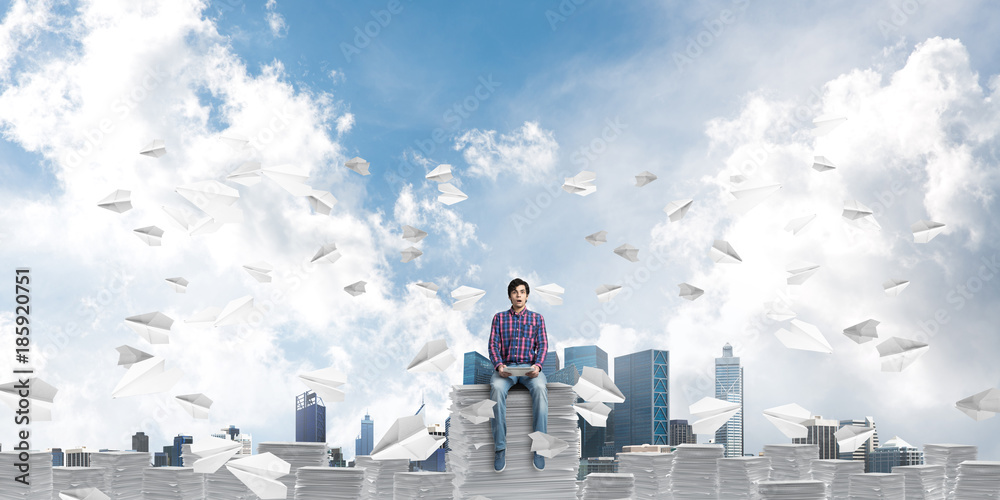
477	370
551	364
893	453
364	444
644	417
310	418
592	438
729	387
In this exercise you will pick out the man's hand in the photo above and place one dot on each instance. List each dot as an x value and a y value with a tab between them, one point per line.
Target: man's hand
534	371
503	371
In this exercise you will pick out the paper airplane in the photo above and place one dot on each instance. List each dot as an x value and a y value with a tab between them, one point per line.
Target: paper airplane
850	437
84	493
290	178
826	123
724	253
356	288
407	438
248	174
779	310
478	412
155	149
128	355
260	271
204	317
597	238
607	292
789	419
898	353
325	383
327	253
465	297
547	445
235	312
178	284
796	225
196	405
595	385
151	235
690	292
434	356
862	332
747	197
412	234
153	327
441	173
146	377
676	210
358	165
821	164
982	405
798	273
321	202
893	287
860	216
118	201
628	252
551	294
925	230
39	396
581	184
410	253
803	336
712	414
428	289
644	178
214	198
212	453
595	413
450	195
260	473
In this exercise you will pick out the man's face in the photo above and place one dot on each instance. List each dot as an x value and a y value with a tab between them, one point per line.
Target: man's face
519	297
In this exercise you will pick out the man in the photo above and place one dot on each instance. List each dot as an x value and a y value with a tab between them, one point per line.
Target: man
517	340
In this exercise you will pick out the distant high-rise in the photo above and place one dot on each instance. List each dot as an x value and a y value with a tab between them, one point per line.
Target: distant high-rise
140	442
893	453
179	442
567	375
169	452
681	433
579	357
246	440
478	369
231	432
78	457
551	364
863	451
160	459
729	387
310	418
336	457
365	442
586	355
58	459
643	377
821	433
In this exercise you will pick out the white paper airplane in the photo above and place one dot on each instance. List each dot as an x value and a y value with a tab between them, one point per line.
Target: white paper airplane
407	438
850	437
803	336
607	292
290	178
356	288
151	235
155	149
597	238
893	287
260	473
789	419
428	289
214	198
898	353
551	294
547	445
358	165
799	272
628	252
826	123
196	405
153	327
676	210
128	355
434	356
860	216
325	383
119	201
581	184
712	414
235	312
39	396
465	297
178	284
212	453
644	178
862	332
441	173
821	164
83	493
724	253
410	253
146	377
327	253
321	202
595	413
205	317
747	197
413	235
690	292
595	385
925	230
450	194
796	225
478	412
982	405
260	271
247	174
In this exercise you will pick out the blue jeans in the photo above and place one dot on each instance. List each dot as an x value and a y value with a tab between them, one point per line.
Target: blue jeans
539	403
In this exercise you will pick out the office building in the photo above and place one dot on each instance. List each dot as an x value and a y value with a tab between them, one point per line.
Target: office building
592	438
863	451
648	448
310	418
435	462
161	459
58	458
78	457
729	387
169	452
140	442
179	442
551	364
231	432
643	377
681	432
586	355
335	457
567	375
478	369
893	453
246	440
365	442
821	433
599	465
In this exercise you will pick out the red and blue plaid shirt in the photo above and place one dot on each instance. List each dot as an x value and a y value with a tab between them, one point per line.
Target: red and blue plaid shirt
518	338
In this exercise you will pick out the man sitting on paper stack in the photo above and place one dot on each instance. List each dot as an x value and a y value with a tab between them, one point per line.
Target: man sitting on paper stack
518	344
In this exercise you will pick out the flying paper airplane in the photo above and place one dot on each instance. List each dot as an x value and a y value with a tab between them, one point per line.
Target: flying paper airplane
821	164
356	288
214	198
327	253
39	396
128	355
607	292
358	165
154	149
860	216
260	271
581	184
407	438
644	178
826	123
321	202
441	173
428	289
154	327
465	297
925	230
628	252
178	284
676	210
690	292
551	293
146	377
212	453
796	225
798	273
595	413
290	178
247	174
412	234
118	201
434	356
546	445
196	405
850	437
325	383
803	336
83	493
893	287
260	473
478	412
898	353
982	405
595	385
597	238
724	253
450	194
410	253
789	419
712	414
235	312
862	332
747	197
151	235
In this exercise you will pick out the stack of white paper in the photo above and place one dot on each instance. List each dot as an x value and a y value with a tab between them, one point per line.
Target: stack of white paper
297	455
123	471
950	456
187	460
739	477
792	490
170	483
423	486
791	462
379	476
876	486
836	474
651	472
68	478
923	482
321	483
223	485
472	452
604	486
86	493
978	480
695	472
40	479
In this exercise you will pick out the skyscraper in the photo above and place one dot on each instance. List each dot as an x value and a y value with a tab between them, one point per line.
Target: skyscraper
567	375
729	387
643	418
179	442
579	357
551	364
365	442
477	370
893	453
586	355
58	459
681	433
821	432
140	442
310	418
863	451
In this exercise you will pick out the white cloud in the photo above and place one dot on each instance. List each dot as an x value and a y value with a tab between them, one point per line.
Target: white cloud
275	21
528	153
23	22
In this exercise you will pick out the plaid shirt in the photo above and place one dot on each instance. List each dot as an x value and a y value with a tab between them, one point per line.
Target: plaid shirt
518	338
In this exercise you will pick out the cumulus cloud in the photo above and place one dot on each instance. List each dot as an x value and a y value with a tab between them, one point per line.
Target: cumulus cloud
275	21
528	153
